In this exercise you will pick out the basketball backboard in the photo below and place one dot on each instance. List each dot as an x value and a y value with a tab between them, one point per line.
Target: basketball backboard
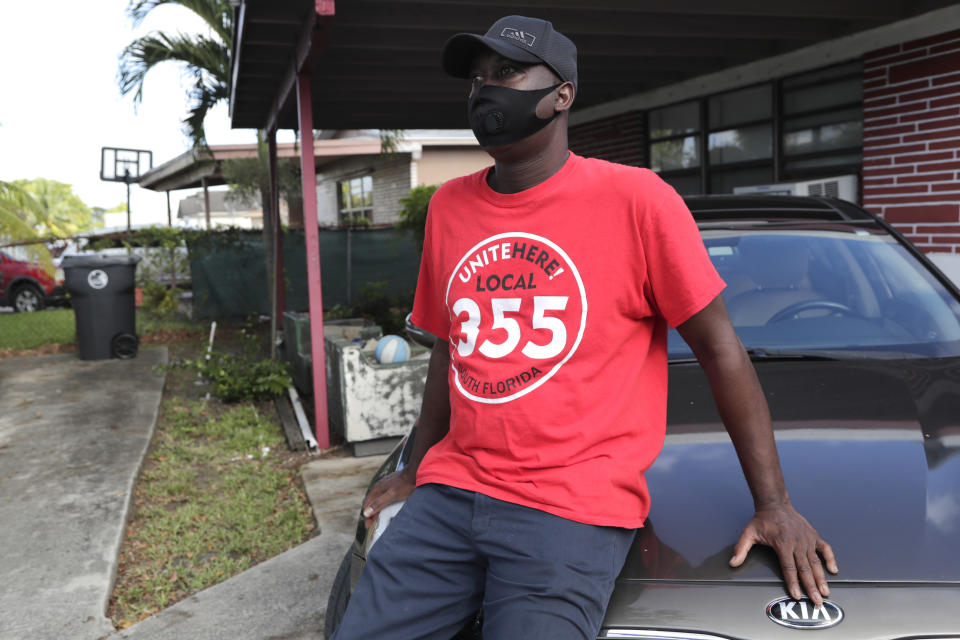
124	165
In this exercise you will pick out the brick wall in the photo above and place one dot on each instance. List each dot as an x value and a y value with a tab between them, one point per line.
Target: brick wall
911	139
620	138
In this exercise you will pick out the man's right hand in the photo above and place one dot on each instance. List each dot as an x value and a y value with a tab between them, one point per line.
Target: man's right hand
391	488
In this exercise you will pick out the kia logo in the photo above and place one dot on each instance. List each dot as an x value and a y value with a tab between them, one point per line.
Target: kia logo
803	614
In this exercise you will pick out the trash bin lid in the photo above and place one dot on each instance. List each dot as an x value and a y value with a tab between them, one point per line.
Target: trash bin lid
98	260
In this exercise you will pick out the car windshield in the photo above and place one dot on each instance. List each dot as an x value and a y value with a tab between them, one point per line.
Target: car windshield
842	292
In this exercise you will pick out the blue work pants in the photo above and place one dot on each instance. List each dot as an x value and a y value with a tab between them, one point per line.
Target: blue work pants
450	553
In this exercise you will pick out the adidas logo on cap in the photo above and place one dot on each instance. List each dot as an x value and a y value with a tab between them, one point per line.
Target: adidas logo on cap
520	36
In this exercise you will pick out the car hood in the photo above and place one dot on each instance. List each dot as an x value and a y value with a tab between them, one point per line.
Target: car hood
871	455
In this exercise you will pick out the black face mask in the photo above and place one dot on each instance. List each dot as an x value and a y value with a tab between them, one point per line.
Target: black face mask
501	116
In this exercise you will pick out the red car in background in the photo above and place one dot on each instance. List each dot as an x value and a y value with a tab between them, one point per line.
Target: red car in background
26	286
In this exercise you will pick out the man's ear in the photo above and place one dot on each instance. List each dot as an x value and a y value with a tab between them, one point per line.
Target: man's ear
566	92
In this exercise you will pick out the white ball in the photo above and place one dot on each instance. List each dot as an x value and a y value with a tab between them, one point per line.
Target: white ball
392	349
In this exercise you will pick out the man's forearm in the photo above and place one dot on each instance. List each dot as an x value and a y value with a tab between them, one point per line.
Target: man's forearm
746	416
435	411
743	409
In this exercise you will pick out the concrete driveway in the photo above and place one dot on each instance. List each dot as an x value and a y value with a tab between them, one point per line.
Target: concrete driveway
73	435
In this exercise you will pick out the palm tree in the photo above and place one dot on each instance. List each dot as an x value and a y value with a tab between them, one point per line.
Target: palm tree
59	211
18	209
206	58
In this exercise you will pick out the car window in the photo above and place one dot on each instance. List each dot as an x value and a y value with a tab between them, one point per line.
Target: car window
842	290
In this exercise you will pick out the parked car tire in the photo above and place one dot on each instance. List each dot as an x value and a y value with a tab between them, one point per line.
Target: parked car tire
339	597
27	298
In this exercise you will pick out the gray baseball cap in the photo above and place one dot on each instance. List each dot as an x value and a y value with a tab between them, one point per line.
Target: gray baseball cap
519	38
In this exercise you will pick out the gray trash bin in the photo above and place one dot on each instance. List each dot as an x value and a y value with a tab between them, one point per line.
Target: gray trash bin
102	295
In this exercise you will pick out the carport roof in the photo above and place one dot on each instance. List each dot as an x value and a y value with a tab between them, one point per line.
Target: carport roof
375	63
188	170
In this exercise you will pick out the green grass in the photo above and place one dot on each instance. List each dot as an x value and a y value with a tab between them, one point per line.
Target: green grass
56	326
32	330
213	500
148	322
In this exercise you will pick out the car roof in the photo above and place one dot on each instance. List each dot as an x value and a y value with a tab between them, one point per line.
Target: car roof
775	207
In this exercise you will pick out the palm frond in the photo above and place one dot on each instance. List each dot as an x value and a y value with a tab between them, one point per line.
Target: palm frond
205	59
12	226
203	97
216	13
17	208
59	211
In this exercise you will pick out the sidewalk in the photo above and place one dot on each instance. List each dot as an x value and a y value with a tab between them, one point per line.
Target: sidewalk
73	434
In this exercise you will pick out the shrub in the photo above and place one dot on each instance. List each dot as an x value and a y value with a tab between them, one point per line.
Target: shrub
159	299
381	309
235	378
413	212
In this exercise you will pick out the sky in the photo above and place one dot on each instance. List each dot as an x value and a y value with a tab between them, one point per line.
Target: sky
60	101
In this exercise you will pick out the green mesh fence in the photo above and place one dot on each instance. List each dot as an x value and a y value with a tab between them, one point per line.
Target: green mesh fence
229	275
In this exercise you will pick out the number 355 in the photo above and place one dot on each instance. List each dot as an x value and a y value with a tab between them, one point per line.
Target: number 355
499	308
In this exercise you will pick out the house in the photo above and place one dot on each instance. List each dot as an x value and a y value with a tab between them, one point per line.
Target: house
226	210
355	178
359	183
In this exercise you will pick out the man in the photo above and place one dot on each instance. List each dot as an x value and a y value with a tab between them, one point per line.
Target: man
549	280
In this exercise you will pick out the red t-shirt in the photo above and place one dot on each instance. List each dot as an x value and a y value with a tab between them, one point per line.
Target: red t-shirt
555	302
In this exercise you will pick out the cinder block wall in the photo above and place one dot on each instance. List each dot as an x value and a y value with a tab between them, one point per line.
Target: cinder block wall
620	138
391	181
327	212
911	139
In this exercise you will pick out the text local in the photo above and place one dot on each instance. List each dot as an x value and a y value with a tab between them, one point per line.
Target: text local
506	251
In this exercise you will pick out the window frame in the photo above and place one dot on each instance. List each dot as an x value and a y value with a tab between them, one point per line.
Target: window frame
778	120
344	212
785	174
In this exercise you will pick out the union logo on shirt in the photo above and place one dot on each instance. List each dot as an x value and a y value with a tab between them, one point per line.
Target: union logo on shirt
518	310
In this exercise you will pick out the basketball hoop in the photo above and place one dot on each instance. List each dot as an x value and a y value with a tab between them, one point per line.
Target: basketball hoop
124	165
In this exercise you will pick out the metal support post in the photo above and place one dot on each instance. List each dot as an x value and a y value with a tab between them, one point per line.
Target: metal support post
127	182
277	297
206	199
308	173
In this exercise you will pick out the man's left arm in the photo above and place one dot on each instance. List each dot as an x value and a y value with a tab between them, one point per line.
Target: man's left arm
746	416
